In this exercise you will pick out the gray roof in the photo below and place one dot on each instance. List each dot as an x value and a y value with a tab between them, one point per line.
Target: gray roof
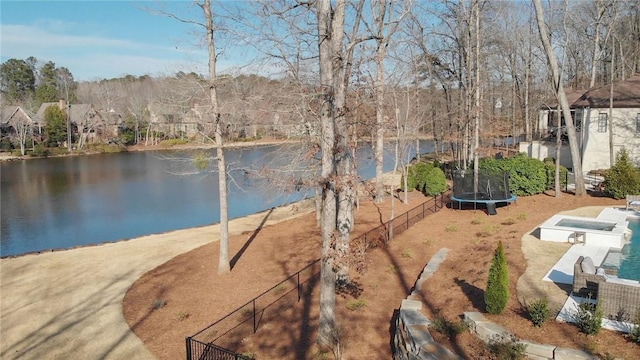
78	111
626	94
9	111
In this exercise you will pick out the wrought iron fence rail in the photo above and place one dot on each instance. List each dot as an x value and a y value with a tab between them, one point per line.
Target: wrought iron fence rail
197	350
207	350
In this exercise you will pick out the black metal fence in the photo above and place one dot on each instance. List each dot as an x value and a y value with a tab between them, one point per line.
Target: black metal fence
210	351
214	341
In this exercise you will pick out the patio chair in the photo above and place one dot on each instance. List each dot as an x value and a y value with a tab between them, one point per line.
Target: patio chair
633	202
586	277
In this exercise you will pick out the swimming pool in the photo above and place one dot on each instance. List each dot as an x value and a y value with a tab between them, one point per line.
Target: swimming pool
627	259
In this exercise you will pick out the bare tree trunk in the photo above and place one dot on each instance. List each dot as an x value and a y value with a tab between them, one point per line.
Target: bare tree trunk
562	99
477	114
558	147
380	123
327	323
385	27
343	156
223	262
596	44
610	122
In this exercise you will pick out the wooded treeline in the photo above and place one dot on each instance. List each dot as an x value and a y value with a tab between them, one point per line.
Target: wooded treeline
433	70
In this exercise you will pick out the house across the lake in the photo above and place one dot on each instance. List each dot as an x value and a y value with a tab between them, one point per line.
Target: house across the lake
605	118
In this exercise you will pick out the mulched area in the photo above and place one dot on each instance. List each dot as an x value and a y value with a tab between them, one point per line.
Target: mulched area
193	296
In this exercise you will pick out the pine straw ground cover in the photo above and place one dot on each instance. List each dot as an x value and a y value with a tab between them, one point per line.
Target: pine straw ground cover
185	294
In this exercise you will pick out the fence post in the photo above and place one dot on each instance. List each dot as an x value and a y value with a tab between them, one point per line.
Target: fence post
299	290
188	342
254	315
407	220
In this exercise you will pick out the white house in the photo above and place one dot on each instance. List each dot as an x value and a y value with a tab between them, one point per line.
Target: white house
603	119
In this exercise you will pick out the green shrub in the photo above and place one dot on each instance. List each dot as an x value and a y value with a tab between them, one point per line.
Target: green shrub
6	145
550	170
280	289
356	304
416	174
105	148
173	142
434	182
182	316
39	151
588	317
448	328
539	311
635	332
623	178
527	176
507	349
497	293
451	228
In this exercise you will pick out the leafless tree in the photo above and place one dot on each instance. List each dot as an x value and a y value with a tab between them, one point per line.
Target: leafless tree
562	99
330	29
23	127
214	115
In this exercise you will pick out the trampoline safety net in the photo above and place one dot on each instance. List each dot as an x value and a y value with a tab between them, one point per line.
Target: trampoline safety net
490	186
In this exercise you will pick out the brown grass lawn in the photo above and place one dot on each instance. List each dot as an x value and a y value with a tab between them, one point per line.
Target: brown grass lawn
194	296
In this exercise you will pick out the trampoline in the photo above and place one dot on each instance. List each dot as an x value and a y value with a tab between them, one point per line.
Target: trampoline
492	191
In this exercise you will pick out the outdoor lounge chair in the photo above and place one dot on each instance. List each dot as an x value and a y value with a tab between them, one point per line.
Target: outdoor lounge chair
586	277
633	202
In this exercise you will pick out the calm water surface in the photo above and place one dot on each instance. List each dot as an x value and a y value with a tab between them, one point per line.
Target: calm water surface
630	265
72	201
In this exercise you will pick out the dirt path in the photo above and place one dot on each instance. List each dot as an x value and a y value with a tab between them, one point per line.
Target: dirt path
68	304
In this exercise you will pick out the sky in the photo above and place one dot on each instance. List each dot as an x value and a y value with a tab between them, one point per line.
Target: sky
104	39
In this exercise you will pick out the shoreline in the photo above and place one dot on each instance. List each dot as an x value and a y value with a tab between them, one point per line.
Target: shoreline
301	204
78	293
189	146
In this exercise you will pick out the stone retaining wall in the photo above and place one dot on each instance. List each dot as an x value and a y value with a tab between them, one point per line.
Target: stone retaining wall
488	331
412	340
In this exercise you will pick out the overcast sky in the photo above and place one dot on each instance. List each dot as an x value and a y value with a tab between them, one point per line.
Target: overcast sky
104	39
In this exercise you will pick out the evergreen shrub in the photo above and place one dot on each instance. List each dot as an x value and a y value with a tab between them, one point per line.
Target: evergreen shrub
539	311
623	178
588	317
497	293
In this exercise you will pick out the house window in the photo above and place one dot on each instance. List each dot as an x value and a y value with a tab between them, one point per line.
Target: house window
602	122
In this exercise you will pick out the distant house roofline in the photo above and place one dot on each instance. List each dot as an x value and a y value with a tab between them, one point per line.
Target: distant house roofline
626	94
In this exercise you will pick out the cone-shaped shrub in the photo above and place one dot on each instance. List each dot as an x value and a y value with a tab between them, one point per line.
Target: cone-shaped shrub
497	293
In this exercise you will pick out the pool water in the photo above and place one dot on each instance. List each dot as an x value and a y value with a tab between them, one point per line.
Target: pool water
630	265
588	225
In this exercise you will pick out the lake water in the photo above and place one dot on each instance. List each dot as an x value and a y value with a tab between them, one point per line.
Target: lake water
82	200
